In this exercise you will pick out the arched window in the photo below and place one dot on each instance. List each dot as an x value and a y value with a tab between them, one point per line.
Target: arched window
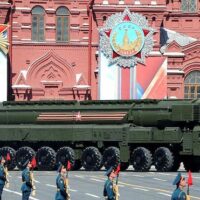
62	24
192	85
189	6
38	24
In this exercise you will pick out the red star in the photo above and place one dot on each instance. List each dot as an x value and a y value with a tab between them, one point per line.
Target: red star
3	39
126	18
115	55
78	116
3	27
108	32
138	55
145	31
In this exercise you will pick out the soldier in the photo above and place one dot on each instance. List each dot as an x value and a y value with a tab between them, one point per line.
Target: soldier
108	191
180	183
27	179
2	175
61	181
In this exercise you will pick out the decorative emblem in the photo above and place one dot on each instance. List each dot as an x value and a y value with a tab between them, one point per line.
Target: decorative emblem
3	38
126	39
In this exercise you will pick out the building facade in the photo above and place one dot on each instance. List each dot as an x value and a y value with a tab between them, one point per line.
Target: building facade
54	45
4	57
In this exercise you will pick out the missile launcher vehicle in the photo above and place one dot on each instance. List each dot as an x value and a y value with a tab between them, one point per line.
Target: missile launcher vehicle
93	134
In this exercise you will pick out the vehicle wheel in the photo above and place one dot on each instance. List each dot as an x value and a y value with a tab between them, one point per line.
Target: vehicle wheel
23	154
141	158
124	166
163	159
46	158
91	159
176	164
11	164
77	165
111	157
64	155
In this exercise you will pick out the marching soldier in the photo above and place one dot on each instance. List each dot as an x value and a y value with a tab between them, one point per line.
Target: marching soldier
27	180
108	191
3	177
62	186
180	183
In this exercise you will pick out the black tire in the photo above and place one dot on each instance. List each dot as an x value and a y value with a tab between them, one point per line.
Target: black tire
124	166
64	155
176	164
23	154
163	159
11	164
111	157
46	158
91	159
141	159
77	165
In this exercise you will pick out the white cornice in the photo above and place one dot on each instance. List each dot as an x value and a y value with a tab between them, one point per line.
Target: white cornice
174	54
175	71
78	10
50	9
130	6
23	8
21	86
155	53
5	3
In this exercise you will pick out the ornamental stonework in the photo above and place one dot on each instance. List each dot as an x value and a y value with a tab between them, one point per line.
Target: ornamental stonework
126	39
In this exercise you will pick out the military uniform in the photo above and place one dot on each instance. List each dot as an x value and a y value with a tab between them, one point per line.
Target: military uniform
2	179
108	191
61	189
178	194
26	185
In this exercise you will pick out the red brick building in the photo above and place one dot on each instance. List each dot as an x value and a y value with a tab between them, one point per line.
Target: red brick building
54	45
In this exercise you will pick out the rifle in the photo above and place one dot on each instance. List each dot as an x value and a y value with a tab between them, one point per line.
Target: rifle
33	192
188	195
33	163
67	187
115	187
6	175
188	186
6	170
67	181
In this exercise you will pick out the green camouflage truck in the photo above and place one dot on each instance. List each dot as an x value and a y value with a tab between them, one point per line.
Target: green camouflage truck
100	133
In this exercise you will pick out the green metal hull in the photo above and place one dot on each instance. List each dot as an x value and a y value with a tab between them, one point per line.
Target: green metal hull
134	128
